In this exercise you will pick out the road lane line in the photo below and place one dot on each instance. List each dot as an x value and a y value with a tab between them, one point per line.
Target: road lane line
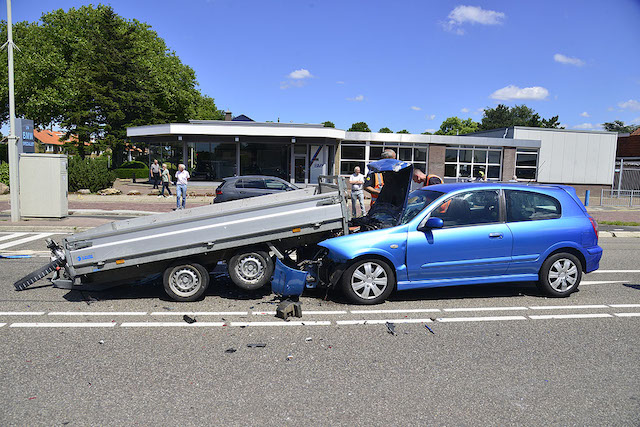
283	323
569	316
486	309
615	271
601	282
310	312
62	325
479	319
199	313
2	324
21	313
627	314
12	236
98	313
409	310
25	240
381	321
565	307
169	324
624	305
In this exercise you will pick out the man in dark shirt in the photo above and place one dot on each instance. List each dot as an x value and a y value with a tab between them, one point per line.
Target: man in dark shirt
374	182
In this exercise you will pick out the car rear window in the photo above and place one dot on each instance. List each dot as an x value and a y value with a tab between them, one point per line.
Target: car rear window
530	206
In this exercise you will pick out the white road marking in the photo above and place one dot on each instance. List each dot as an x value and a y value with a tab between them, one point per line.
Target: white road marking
283	323
12	236
627	314
600	282
479	319
311	312
21	313
2	324
569	316
409	310
614	271
624	305
98	313
25	240
486	309
231	324
200	313
566	307
62	325
381	321
169	324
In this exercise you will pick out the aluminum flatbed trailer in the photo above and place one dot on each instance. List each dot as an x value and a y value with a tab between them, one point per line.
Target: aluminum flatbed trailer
185	245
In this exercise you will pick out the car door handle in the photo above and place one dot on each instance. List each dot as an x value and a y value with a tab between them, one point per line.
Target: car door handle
495	235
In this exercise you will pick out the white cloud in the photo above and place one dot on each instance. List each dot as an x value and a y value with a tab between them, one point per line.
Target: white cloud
473	15
340	82
430	130
430	116
588	126
585	114
414	108
631	104
358	98
563	59
464	110
514	92
302	73
610	108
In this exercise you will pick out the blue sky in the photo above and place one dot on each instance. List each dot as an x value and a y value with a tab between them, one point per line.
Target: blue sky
402	64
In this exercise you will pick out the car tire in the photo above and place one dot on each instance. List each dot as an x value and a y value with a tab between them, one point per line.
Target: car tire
185	282
560	275
251	270
368	281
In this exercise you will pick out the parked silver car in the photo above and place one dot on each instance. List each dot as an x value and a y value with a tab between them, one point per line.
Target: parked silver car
242	187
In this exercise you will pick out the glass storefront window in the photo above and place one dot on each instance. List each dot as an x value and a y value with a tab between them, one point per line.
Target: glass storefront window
375	152
526	164
350	157
468	161
213	161
352	152
265	159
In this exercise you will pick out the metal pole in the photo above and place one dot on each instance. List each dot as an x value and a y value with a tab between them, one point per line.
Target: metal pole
14	157
620	175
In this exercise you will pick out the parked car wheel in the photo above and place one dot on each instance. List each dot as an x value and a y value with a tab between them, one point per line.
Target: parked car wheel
185	282
251	270
368	281
560	275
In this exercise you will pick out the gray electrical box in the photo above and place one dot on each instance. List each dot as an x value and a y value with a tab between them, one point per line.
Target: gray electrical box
44	185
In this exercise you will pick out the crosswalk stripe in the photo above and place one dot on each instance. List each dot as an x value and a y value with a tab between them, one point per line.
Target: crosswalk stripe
25	240
12	236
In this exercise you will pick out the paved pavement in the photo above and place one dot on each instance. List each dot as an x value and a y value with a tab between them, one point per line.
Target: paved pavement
498	354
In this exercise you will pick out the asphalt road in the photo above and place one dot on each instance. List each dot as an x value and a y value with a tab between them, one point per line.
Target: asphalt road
499	354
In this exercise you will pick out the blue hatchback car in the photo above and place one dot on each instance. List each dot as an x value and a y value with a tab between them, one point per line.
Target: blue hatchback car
465	234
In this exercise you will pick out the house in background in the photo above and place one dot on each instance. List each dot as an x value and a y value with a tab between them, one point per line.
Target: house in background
629	144
50	140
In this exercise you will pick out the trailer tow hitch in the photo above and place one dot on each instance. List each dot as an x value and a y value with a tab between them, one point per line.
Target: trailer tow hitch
58	261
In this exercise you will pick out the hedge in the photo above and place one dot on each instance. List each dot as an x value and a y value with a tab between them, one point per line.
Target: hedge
125	173
89	173
133	165
4	173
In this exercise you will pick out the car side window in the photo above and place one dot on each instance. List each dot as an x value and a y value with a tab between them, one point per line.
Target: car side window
253	183
531	206
239	183
469	208
273	184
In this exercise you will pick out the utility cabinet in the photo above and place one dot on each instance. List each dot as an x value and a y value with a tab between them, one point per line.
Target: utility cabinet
44	185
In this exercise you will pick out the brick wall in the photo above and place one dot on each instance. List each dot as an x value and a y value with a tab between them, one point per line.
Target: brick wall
436	159
508	163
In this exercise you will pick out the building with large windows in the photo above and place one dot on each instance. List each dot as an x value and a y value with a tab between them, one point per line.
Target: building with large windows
299	153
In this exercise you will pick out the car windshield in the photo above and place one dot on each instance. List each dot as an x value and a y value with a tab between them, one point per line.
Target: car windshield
417	201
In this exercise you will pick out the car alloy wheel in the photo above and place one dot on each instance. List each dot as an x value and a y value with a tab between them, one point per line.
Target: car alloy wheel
563	275
369	280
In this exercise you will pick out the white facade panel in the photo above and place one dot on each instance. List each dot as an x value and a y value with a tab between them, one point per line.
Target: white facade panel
573	157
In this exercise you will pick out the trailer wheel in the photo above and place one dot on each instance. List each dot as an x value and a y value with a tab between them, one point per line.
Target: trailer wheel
250	270
185	282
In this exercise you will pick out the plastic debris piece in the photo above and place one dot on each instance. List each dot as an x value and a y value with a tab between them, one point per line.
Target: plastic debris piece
101	342
169	308
289	357
189	319
430	330
230	350
391	328
308	339
288	308
257	345
32	397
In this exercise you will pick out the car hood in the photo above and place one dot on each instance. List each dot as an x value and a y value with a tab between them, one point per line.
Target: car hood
397	184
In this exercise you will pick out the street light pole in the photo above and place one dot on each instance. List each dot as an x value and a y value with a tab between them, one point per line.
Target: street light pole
14	177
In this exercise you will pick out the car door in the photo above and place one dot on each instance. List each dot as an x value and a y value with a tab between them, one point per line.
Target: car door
473	242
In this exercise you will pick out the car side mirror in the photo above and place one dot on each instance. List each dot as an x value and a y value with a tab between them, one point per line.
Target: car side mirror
432	222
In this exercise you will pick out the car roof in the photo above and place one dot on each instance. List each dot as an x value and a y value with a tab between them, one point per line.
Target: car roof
447	188
233	178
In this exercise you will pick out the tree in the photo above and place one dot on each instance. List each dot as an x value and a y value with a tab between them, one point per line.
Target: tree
328	124
403	131
426	133
385	130
520	115
457	126
359	127
619	126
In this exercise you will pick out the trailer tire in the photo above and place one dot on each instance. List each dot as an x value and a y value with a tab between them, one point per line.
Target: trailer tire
251	270
185	282
40	273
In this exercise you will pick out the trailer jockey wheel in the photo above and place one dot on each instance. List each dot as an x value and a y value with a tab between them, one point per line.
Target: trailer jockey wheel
250	270
185	282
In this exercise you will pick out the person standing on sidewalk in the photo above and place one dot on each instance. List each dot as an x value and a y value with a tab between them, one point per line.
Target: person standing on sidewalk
165	180
154	170
182	176
357	193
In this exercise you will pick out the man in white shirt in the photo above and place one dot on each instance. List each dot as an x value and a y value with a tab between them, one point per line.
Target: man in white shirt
357	182
182	176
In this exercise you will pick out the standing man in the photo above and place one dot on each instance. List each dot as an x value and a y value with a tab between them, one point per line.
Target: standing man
357	181
155	173
374	182
182	176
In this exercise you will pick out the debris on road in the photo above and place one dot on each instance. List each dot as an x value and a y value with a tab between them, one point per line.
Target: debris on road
289	357
257	345
101	342
391	328
189	319
230	350
169	308
288	308
308	339
430	330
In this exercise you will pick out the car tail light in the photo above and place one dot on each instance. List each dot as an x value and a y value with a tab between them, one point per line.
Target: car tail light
594	224
218	191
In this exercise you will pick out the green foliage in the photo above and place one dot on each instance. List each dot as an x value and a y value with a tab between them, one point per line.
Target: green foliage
426	133
133	165
619	126
89	173
520	115
403	131
359	127
328	124
385	130
4	173
127	173
4	153
457	126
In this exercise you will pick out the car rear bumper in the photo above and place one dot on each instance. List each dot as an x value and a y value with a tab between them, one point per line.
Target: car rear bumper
592	258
